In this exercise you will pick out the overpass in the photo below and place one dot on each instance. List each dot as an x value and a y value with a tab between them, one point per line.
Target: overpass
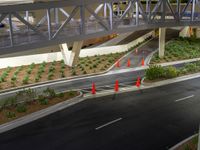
84	19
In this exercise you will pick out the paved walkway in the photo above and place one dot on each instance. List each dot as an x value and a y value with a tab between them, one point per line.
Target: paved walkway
144	51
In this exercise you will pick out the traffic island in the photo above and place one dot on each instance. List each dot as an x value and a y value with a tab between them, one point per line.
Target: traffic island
157	73
179	49
28	102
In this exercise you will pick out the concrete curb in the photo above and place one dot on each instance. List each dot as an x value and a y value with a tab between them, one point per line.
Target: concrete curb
41	113
182	142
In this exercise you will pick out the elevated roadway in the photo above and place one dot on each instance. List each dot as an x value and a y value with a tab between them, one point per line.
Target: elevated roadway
83	21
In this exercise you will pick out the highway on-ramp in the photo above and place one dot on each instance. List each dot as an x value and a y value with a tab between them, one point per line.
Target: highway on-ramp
152	119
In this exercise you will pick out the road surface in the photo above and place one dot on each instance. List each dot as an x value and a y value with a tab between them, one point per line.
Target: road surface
153	119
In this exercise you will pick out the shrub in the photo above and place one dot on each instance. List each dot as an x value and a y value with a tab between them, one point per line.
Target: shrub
51	68
21	108
62	61
42	100
32	66
37	78
63	66
29	70
191	67
26	79
14	78
94	66
71	93
50	75
10	114
60	95
73	72
53	63
154	72
49	92
170	72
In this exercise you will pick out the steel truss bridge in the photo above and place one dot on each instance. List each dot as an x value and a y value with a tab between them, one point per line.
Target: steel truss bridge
74	20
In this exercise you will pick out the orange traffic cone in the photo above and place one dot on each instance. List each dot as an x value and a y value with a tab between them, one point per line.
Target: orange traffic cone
116	86
129	62
93	88
138	82
117	64
142	63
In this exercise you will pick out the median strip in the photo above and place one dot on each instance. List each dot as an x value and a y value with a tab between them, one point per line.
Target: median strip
184	98
109	123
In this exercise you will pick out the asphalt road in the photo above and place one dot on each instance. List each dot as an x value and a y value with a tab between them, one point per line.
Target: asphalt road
153	119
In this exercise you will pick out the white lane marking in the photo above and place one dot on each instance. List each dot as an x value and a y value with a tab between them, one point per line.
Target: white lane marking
109	123
184	98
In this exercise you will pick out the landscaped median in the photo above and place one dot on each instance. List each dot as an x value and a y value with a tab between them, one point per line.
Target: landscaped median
157	73
28	101
179	49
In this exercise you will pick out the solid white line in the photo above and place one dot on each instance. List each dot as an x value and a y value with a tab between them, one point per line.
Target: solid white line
184	98
109	123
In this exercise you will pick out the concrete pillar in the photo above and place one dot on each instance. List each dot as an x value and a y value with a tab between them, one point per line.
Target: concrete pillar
162	34
71	57
185	32
75	53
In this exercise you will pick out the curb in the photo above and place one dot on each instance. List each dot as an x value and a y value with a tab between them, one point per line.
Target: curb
41	113
182	142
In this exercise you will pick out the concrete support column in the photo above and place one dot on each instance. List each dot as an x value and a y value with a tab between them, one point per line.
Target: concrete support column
162	34
71	57
75	53
185	32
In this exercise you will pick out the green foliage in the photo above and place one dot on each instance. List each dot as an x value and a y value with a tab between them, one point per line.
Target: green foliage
60	95
53	63
51	68
49	92
29	70
10	114
73	72
21	108
25	79
50	75
37	78
170	72
25	95
154	72
43	100
71	93
14	78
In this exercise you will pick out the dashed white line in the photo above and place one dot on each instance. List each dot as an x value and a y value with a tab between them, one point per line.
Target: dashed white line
184	98
109	123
